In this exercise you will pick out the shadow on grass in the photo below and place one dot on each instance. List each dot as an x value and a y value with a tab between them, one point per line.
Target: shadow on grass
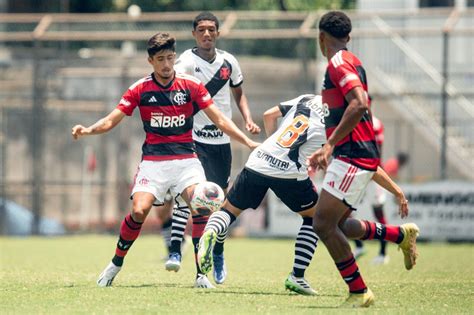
240	292
317	307
263	293
156	285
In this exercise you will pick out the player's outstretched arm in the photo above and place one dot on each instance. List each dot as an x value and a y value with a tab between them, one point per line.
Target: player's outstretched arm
382	178
242	103
101	126
228	126
270	119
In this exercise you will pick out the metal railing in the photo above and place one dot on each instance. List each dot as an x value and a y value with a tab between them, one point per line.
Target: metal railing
45	88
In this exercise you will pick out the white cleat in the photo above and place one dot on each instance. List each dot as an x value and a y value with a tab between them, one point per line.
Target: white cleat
174	262
203	282
299	285
381	260
107	276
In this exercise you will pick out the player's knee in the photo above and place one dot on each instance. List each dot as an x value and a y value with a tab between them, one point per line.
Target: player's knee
322	226
139	213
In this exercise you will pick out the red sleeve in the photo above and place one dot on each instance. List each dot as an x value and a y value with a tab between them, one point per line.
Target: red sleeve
129	101
201	96
343	73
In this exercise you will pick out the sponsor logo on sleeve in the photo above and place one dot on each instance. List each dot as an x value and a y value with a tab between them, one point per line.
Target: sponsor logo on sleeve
206	97
347	78
124	102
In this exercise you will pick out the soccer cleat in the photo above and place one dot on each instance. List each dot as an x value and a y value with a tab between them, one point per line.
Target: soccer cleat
220	270
356	300
203	282
359	252
380	260
299	285
107	276
174	262
206	245
408	244
185	246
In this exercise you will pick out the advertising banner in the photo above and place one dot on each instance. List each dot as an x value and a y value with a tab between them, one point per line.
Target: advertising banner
444	211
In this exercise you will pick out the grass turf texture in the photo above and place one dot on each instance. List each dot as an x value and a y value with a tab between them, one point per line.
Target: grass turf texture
57	275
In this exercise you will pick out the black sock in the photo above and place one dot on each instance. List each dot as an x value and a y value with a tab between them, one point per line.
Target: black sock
117	261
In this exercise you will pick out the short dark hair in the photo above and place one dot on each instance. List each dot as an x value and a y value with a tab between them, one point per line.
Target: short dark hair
336	23
205	16
159	42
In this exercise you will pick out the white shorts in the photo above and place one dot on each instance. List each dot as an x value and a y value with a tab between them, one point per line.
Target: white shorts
157	177
346	182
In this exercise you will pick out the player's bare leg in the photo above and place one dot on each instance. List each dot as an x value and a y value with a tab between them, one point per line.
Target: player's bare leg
329	212
129	232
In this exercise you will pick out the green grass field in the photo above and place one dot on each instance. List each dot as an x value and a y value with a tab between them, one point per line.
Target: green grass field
57	275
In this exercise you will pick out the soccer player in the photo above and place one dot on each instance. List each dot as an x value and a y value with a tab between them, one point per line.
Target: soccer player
278	164
351	142
221	74
167	102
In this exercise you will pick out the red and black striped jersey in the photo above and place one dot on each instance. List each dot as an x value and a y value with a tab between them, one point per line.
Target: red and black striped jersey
167	114
345	72
378	132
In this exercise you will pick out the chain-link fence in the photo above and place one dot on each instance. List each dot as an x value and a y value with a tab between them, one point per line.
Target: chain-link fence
59	70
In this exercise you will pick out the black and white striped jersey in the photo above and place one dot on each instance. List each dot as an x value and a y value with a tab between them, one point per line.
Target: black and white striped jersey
217	76
301	132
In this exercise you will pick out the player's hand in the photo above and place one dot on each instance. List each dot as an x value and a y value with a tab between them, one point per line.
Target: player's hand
402	206
79	130
320	158
252	127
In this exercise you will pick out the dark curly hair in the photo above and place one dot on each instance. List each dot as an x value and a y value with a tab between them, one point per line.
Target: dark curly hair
336	23
205	16
159	42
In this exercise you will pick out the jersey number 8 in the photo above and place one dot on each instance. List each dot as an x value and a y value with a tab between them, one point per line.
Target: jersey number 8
288	137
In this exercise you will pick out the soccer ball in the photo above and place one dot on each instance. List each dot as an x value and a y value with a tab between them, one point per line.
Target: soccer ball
207	198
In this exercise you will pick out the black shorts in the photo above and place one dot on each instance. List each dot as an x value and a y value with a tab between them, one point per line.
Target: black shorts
216	159
250	187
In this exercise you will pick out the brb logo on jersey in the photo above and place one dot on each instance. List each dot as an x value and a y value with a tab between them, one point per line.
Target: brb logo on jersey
161	121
